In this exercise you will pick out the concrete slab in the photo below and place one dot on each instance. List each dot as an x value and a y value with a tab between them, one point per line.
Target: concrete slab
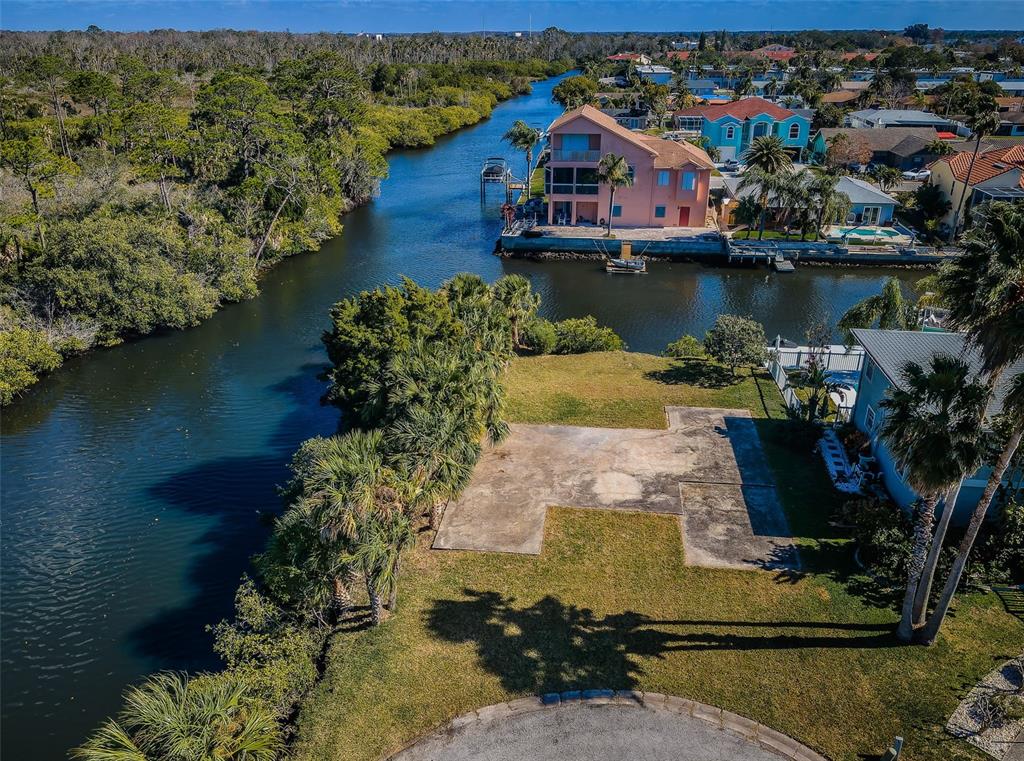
707	467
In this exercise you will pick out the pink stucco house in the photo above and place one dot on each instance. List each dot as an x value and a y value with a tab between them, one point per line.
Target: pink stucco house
670	179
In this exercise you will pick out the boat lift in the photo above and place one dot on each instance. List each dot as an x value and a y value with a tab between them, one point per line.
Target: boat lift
495	171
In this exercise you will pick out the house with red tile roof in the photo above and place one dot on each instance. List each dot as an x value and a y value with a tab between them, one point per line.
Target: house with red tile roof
638	58
670	180
732	126
777	53
1001	169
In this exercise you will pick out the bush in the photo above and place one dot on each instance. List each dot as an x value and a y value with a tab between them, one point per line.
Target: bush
736	341
686	347
269	651
582	335
1000	556
538	336
884	536
24	356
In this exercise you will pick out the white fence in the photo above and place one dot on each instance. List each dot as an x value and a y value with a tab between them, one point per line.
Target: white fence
843	412
834	357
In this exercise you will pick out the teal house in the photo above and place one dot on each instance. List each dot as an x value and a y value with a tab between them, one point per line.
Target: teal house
731	127
886	353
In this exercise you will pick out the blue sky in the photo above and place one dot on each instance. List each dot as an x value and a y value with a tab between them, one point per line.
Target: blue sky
465	16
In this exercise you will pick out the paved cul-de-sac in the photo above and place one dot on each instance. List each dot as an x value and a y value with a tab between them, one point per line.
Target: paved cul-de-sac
707	467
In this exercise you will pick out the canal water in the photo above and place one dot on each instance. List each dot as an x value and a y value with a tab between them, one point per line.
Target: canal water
134	479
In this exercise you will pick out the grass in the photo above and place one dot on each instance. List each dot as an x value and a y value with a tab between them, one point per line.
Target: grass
610	603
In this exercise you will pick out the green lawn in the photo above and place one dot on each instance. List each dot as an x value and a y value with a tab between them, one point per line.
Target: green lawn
610	603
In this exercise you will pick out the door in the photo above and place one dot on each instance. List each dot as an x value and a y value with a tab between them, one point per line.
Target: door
727	152
871	214
684	216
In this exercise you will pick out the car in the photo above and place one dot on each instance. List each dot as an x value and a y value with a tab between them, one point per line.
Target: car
917	174
731	165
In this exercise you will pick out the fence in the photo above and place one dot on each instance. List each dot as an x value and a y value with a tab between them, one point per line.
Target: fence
843	412
834	357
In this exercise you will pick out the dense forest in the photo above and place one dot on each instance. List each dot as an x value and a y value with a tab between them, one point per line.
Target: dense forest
148	179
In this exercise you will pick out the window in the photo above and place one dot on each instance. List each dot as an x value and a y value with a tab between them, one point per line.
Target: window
794	131
730	132
659	212
869	370
691	123
617	210
869	418
575	142
663	177
688	181
632	173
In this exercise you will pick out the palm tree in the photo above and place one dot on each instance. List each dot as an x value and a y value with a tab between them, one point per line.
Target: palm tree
767	185
940	147
983	289
793	193
931	428
523	137
886	177
829	202
983	119
890	310
173	718
519	301
748	212
614	172
767	153
704	143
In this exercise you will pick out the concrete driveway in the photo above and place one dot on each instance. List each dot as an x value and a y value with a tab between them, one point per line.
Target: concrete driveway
665	729
707	467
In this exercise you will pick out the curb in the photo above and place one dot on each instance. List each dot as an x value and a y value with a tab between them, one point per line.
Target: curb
748	729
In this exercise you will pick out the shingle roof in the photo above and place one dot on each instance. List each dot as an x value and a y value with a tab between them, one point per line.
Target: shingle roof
667	153
890	350
839	96
988	165
860	191
741	109
672	154
602	120
903	141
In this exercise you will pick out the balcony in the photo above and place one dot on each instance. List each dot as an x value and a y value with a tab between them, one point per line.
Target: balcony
557	154
565	189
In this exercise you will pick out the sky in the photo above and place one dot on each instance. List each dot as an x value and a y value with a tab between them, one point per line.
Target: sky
507	15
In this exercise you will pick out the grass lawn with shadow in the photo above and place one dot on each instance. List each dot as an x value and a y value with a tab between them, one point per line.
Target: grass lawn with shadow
610	603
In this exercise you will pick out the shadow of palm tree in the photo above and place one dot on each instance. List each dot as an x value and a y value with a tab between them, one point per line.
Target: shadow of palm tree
694	372
553	646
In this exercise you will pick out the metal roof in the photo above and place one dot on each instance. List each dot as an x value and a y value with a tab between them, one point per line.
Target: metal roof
891	350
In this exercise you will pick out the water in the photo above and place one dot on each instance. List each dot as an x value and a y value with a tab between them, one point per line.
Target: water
134	479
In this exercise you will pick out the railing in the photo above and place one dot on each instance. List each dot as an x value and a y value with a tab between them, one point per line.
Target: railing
557	154
832	359
567	189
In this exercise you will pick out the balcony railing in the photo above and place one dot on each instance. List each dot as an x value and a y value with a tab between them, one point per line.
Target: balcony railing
567	189
557	154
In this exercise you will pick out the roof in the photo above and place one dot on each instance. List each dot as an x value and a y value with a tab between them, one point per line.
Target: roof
868	56
858	191
863	192
839	96
653	69
744	108
672	154
626	57
682	55
897	116
902	141
890	350
988	164
667	153
601	120
854	84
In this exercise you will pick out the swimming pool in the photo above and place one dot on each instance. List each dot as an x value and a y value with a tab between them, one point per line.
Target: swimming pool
866	232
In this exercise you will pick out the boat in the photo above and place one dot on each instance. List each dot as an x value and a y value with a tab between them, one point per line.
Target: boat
626	266
782	264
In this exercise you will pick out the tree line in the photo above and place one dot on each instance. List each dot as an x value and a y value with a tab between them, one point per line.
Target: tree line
417	377
138	198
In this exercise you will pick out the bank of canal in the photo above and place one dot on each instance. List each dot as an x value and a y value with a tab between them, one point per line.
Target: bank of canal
135	479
